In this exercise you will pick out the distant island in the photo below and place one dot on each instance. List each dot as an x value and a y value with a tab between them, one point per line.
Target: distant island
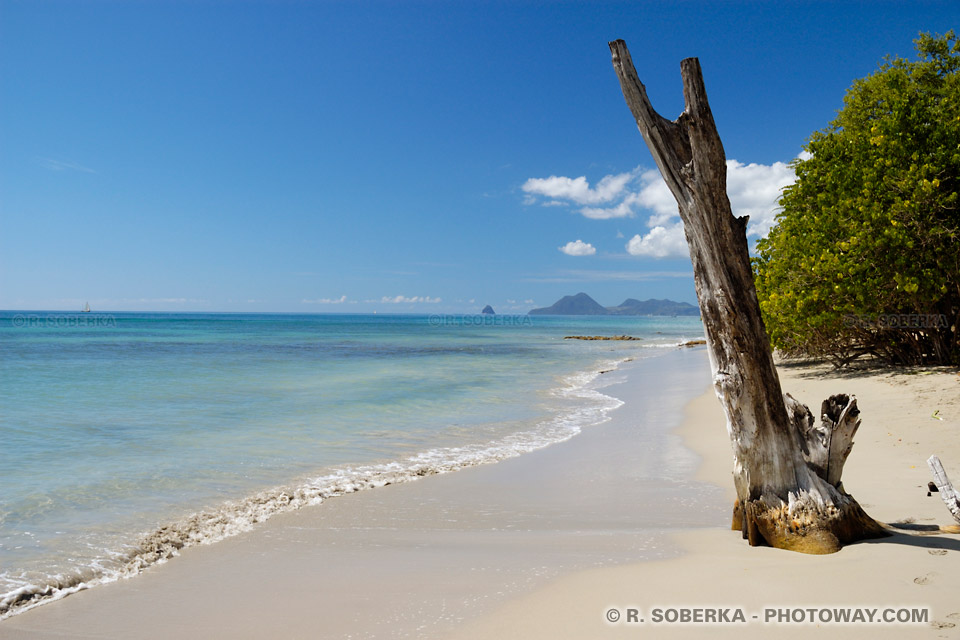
488	310
583	305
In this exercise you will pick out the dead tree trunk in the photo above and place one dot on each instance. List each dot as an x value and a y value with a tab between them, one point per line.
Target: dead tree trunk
786	470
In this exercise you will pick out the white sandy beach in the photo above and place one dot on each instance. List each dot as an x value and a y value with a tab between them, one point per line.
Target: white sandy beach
543	545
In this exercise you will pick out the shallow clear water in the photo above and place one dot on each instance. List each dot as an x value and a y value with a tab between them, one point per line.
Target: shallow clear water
114	426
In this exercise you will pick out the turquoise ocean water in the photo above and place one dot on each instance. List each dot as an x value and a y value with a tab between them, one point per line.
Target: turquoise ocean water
126	436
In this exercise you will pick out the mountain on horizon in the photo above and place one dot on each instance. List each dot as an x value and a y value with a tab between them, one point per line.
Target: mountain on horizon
583	305
578	305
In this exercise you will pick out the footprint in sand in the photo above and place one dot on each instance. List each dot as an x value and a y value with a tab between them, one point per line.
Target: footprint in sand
955	615
936	624
925	579
937	552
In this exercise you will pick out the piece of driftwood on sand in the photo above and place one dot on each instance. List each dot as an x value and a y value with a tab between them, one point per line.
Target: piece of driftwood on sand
945	487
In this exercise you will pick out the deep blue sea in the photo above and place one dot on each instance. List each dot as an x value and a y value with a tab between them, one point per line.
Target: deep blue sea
126	436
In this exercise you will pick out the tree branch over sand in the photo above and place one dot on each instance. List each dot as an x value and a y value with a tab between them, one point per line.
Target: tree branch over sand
786	469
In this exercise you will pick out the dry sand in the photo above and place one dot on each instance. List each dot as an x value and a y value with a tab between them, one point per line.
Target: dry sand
543	545
886	472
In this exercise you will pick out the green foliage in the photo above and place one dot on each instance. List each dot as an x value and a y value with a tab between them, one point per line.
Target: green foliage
871	226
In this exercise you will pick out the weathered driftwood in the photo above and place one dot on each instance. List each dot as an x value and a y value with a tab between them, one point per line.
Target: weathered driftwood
947	492
782	500
825	447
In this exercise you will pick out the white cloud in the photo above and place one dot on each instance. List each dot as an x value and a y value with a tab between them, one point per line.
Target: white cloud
654	194
339	300
622	210
578	190
754	190
578	248
660	242
613	191
411	300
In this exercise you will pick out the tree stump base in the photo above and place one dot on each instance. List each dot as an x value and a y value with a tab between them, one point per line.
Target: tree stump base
804	529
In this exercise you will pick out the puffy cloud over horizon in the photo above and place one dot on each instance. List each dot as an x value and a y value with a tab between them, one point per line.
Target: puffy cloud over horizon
578	248
753	189
412	299
339	300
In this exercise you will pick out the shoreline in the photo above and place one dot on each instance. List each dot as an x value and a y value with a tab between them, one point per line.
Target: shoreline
237	516
886	472
465	541
542	545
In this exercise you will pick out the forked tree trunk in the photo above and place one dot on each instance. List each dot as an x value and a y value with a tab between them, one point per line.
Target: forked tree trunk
785	468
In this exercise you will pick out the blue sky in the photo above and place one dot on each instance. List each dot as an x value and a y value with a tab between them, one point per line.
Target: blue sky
425	157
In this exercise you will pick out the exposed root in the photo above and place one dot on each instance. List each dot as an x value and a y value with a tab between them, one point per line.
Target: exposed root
804	525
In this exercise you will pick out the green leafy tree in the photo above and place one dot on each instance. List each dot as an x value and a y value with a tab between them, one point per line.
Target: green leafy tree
864	257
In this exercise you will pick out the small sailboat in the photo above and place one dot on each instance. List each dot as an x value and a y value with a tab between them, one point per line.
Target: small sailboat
86	307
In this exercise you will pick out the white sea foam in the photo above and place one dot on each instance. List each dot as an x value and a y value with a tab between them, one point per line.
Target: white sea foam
231	518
